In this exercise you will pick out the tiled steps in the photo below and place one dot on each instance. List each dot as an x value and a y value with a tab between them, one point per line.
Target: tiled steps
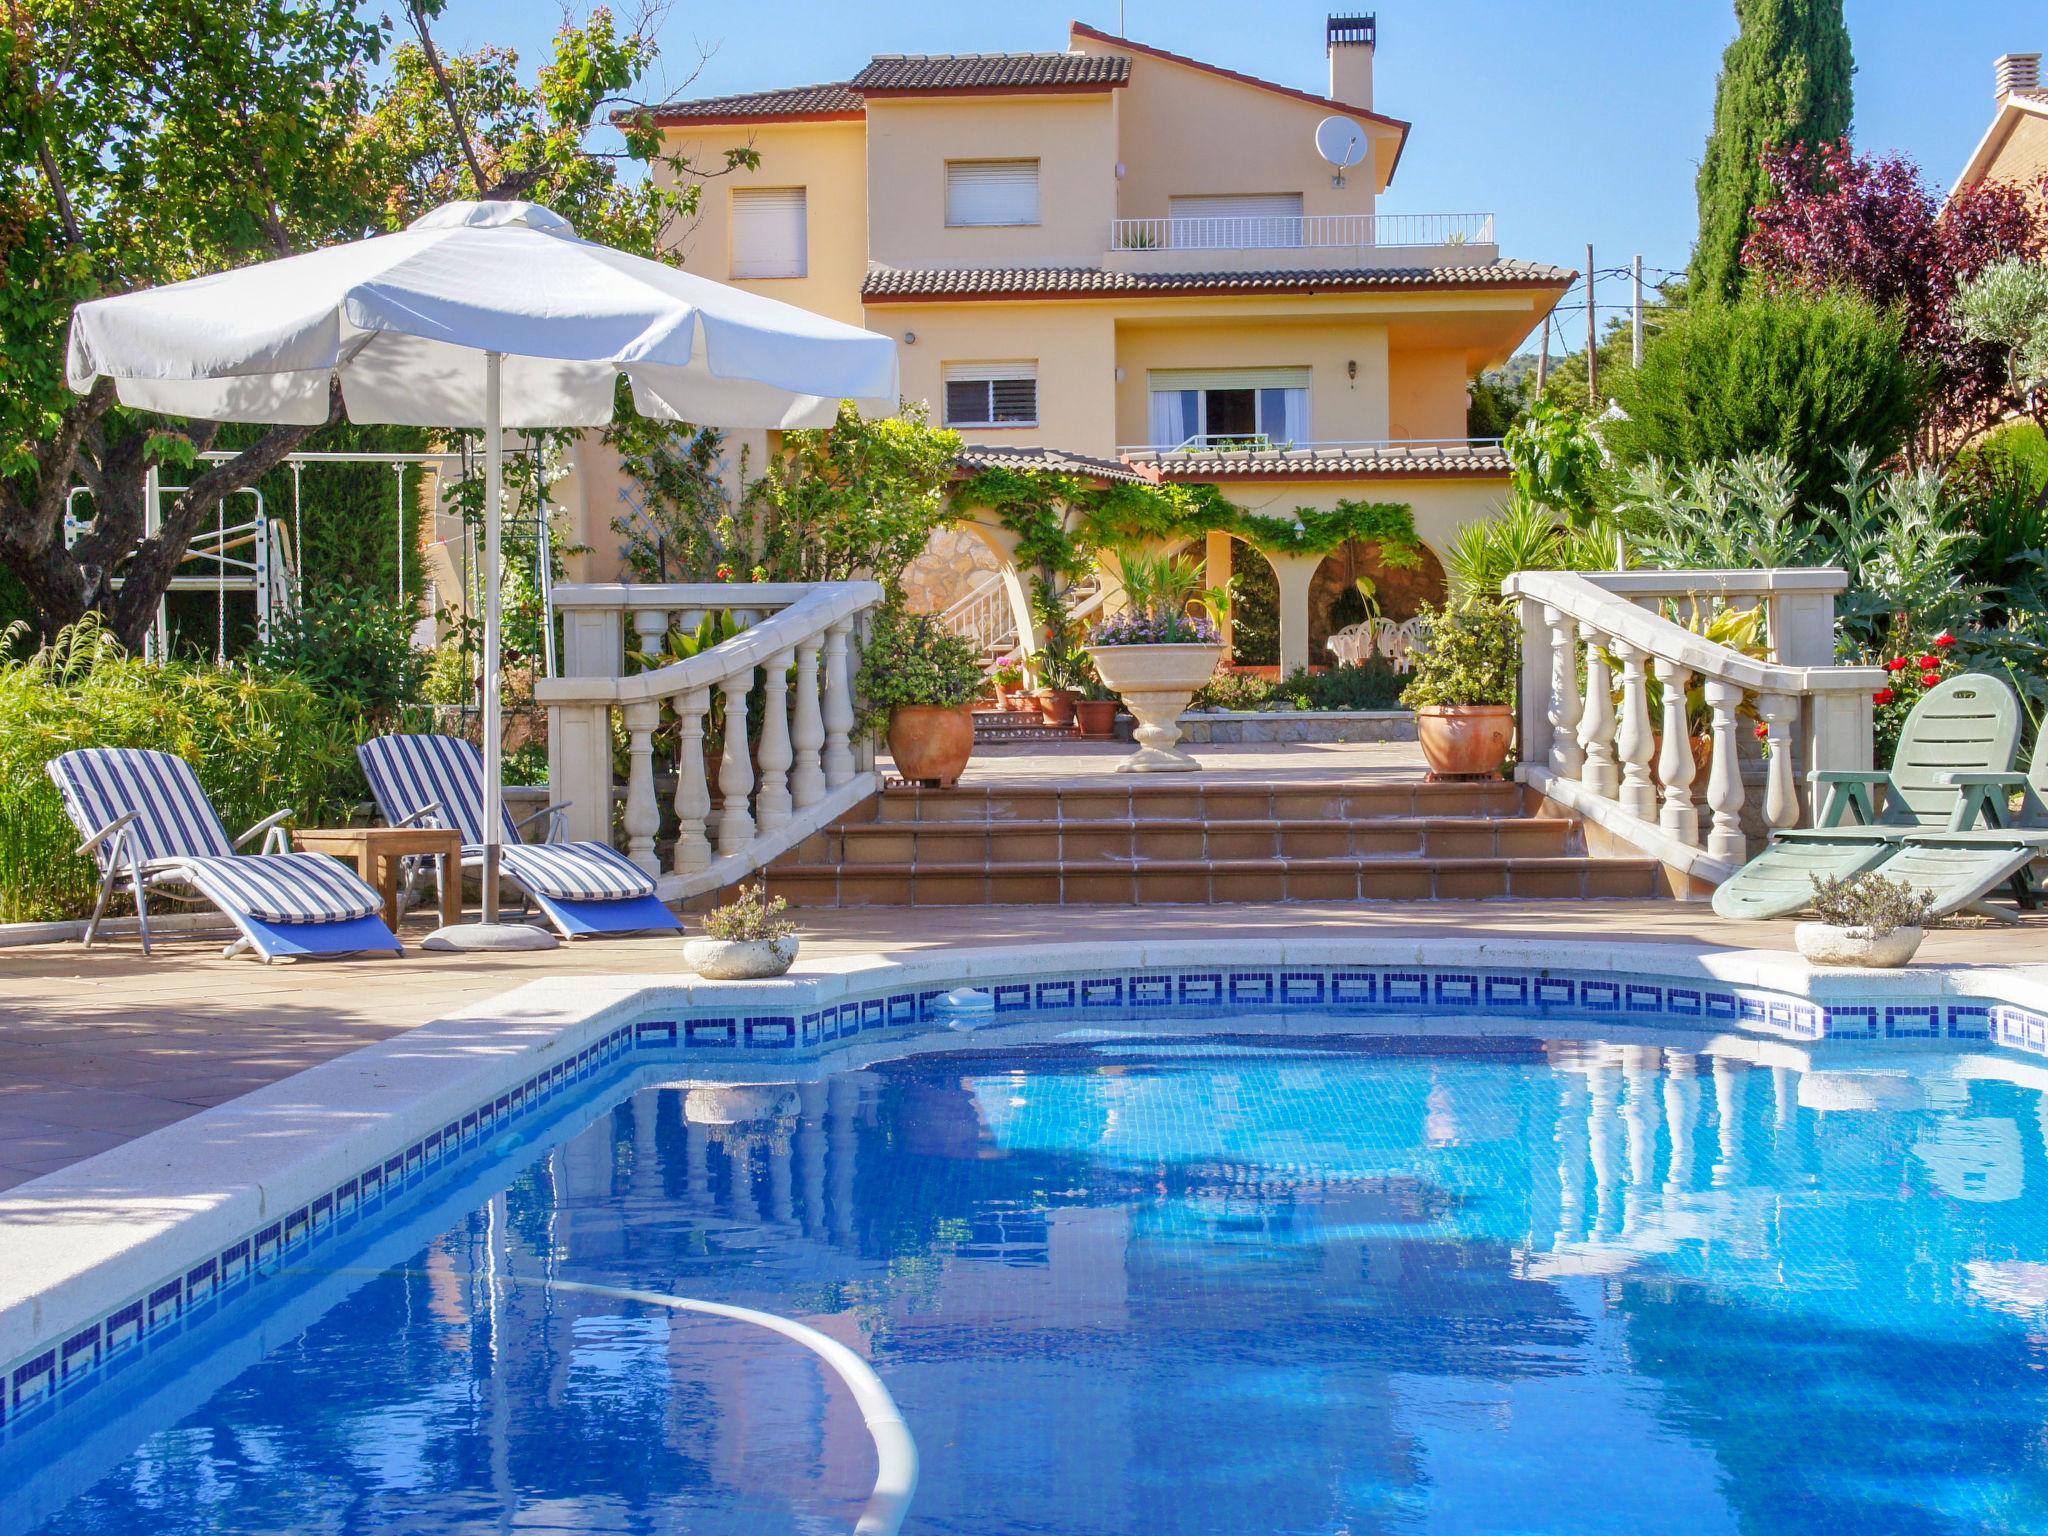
992	725
1159	843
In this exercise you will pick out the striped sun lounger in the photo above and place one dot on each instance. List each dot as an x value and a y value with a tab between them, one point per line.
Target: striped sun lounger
147	821
583	887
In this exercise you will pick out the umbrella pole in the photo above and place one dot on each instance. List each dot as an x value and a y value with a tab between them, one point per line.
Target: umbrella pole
488	933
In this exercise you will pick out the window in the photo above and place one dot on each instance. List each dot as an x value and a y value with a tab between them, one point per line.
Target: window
991	192
768	232
1229	407
1252	221
991	394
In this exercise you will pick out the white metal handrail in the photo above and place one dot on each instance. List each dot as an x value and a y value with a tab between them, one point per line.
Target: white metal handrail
983	617
1288	231
1251	443
798	653
1596	743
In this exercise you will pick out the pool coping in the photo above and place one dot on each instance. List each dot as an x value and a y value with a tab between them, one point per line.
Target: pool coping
80	1240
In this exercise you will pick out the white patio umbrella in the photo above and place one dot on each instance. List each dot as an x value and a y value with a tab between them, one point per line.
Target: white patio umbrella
480	315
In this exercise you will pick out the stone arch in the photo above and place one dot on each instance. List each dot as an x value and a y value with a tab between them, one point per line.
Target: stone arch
1333	601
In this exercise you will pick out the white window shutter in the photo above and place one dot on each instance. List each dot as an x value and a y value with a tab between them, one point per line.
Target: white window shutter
1227	378
991	192
991	394
769	236
1255	220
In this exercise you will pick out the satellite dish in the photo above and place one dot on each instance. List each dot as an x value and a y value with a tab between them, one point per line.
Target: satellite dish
1341	142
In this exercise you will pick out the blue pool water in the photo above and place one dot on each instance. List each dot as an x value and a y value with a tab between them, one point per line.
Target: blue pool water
1162	1287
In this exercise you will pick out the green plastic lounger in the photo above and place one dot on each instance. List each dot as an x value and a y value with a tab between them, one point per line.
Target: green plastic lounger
1967	725
1990	845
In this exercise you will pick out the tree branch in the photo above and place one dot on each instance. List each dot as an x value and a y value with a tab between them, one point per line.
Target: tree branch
417	11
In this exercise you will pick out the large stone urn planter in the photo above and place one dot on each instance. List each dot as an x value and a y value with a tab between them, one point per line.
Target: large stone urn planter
1156	683
1465	740
931	743
740	959
1826	944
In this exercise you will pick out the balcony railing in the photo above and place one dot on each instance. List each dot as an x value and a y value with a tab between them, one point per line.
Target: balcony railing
1332	231
1223	444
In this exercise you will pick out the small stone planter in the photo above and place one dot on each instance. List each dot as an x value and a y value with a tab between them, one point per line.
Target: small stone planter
1156	683
740	959
1825	944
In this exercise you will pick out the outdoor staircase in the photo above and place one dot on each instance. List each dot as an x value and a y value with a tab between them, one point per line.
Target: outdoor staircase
1155	842
1014	725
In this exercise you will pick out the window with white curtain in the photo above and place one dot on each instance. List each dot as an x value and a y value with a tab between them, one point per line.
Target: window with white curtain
991	192
1229	407
769	237
991	394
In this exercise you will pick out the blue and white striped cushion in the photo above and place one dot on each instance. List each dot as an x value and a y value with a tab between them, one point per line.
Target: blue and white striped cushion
407	772
577	871
284	887
99	784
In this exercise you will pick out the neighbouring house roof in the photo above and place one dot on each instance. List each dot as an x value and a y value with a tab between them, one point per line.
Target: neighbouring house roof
1052	461
1348	109
2012	107
924	74
797	103
1392	461
902	284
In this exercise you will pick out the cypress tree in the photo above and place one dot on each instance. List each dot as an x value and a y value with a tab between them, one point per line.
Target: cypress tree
1784	79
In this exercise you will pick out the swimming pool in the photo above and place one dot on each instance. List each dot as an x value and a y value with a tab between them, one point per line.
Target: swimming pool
1155	1281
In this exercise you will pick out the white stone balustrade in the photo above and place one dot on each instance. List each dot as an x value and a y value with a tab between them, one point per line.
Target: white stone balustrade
1598	746
793	667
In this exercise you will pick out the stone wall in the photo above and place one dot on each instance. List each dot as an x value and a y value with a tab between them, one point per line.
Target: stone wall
952	563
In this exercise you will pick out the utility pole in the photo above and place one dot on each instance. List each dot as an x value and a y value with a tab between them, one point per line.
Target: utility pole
1636	336
1543	360
1592	341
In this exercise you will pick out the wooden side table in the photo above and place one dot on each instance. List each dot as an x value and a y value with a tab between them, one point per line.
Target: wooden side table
378	852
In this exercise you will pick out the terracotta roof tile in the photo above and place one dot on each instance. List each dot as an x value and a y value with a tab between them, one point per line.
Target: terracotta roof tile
1053	461
795	101
921	72
1076	282
1387	461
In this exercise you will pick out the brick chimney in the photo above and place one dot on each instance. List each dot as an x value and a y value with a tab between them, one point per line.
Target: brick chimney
2012	72
1349	41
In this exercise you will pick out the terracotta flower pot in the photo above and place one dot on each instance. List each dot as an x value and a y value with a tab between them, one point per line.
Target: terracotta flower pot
1056	706
931	744
1156	683
1465	740
1097	718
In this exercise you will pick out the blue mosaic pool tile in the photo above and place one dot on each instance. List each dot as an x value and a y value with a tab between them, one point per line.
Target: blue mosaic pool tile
1102	992
1252	989
1409	989
1600	996
1354	988
701	1032
1303	989
1507	991
1151	991
874	1013
902	1008
1969	1021
1056	996
1012	998
1722	1006
1556	992
1852	1022
928	1001
771	1032
162	1303
654	1032
1642	997
1200	989
124	1328
1912	1021
79	1353
33	1381
1456	989
201	1281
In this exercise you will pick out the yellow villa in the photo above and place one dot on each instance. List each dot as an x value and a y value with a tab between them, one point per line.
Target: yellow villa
1124	262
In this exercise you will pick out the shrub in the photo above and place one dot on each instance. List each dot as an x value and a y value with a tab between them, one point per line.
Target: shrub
1235	690
749	917
1372	685
350	645
1767	373
260	741
1469	653
1869	901
1524	536
912	658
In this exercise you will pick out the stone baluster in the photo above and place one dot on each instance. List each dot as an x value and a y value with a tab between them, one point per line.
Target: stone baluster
806	731
1724	776
1675	766
1596	720
838	709
1781	789
772	799
643	818
1566	756
650	632
693	795
735	770
1634	741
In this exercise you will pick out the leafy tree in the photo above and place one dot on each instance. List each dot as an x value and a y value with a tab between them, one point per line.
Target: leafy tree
1767	373
1555	461
1837	219
2006	305
144	141
1784	81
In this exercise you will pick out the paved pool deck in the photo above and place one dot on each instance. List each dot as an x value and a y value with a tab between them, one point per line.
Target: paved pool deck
100	1046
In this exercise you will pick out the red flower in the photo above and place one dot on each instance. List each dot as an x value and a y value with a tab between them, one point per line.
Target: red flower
1883	696
1929	661
1944	640
1930	678
1897	664
725	573
1763	732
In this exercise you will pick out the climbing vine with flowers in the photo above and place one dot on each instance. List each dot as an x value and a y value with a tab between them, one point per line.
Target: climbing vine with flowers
1911	674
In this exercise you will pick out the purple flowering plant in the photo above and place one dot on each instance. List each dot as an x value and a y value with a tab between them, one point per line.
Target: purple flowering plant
1155	629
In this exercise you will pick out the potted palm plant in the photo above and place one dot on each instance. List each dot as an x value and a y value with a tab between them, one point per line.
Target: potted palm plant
918	682
1157	652
1467	658
1095	710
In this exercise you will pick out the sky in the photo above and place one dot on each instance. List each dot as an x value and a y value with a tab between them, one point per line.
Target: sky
1570	120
